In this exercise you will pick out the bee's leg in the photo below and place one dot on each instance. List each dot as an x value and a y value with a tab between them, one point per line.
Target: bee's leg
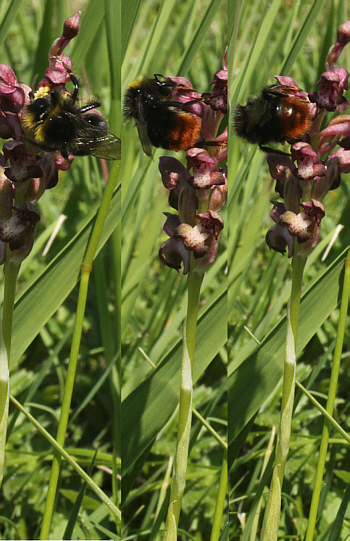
72	77
177	104
269	150
169	82
75	82
89	106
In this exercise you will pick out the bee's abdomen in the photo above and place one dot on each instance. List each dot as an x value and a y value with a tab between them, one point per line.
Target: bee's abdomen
295	118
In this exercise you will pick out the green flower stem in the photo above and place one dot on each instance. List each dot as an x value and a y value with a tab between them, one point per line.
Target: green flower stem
330	403
256	521
273	508
220	501
4	405
185	407
10	280
11	269
73	359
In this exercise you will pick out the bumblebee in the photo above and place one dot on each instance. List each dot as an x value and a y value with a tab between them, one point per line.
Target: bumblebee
55	120
161	121
280	113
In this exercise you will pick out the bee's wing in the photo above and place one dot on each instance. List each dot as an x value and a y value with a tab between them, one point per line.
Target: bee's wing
145	142
94	140
284	90
142	128
107	146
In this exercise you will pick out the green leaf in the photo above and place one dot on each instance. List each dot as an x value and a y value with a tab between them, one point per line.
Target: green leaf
253	379
41	298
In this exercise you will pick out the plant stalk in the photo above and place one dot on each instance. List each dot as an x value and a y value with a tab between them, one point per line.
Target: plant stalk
185	407
10	281
273	508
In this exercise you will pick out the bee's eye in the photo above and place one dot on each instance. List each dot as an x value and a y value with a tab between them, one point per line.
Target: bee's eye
96	120
40	106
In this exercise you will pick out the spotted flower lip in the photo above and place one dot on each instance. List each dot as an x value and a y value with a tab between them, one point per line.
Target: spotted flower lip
304	225
198	239
23	164
14	230
308	162
205	171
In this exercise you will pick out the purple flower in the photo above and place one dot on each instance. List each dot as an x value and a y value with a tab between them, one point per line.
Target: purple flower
278	237
343	37
200	238
13	96
173	252
217	99
218	197
19	229
23	164
205	188
308	162
70	30
205	170
184	92
330	95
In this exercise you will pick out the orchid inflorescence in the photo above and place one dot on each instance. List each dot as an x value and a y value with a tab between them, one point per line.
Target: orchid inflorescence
205	189
305	177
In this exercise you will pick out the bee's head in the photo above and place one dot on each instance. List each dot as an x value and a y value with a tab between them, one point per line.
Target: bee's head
97	120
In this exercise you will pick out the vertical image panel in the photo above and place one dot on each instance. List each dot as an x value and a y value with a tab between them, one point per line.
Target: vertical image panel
173	305
287	242
60	205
